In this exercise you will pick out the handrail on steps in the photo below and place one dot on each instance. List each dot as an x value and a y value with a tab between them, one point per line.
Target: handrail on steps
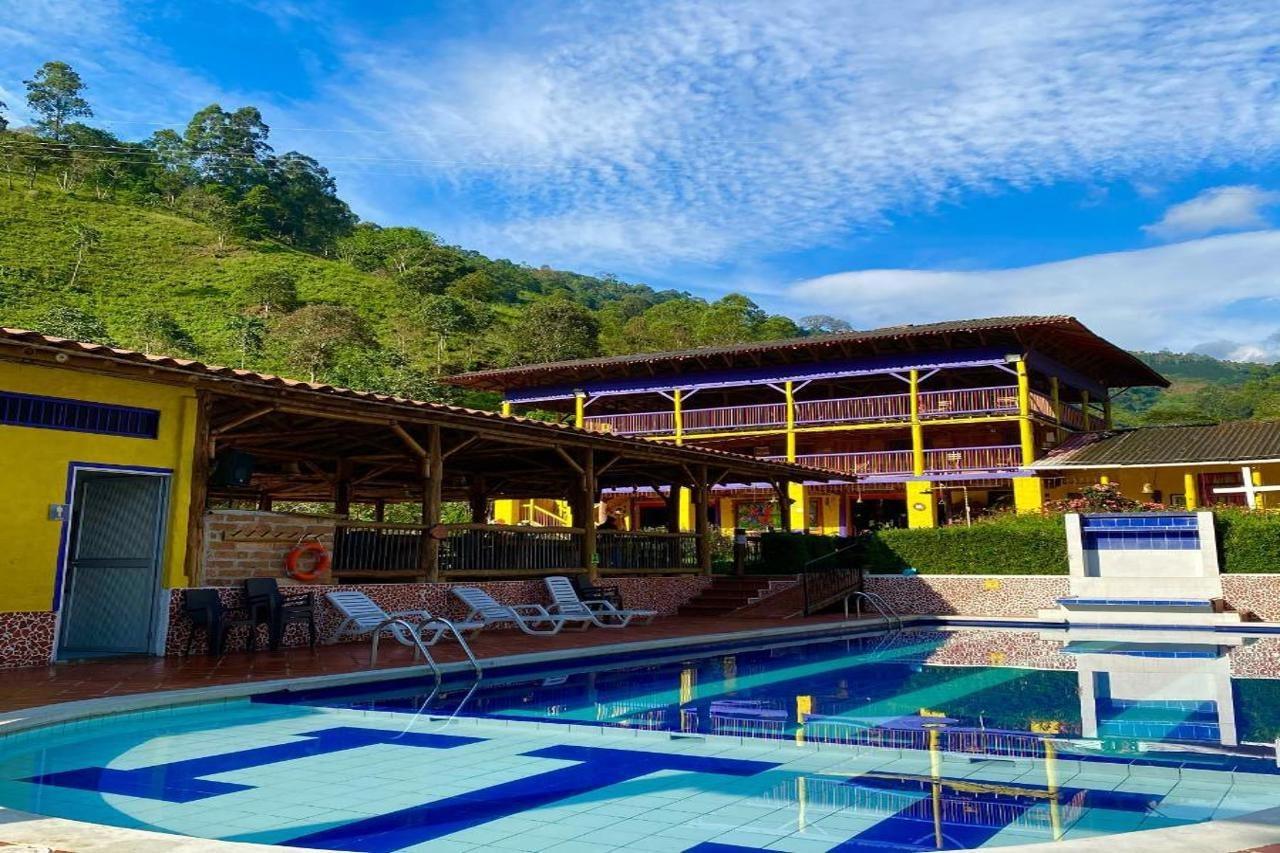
421	648
879	602
804	574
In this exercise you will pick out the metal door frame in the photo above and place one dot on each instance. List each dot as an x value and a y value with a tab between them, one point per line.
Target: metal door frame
74	470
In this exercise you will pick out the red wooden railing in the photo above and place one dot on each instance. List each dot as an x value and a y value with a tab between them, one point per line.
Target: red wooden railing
887	408
1004	457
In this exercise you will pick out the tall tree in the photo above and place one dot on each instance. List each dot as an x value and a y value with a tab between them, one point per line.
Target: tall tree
229	149
84	239
158	332
55	95
271	292
553	329
823	324
312	338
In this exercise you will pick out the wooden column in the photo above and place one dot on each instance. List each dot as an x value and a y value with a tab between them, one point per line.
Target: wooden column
201	462
784	505
701	501
342	489
380	510
479	500
585	515
265	503
432	474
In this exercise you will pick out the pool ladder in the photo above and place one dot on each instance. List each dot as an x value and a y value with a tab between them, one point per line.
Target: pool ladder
877	602
421	648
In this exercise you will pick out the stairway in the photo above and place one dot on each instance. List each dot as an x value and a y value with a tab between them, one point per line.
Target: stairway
727	594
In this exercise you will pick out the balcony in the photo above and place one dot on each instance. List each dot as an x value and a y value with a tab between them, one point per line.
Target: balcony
884	408
943	460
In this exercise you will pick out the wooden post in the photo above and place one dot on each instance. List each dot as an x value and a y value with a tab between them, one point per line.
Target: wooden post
265	502
701	499
432	474
193	564
380	510
784	505
479	500
585	517
342	489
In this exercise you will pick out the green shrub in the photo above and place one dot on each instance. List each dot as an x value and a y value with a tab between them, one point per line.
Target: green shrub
1248	541
1002	545
786	553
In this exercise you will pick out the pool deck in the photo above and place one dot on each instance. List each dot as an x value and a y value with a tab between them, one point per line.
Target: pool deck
34	687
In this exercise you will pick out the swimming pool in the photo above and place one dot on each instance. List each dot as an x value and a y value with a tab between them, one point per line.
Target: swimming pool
915	740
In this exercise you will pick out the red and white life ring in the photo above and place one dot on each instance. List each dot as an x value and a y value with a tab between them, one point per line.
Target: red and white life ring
321	565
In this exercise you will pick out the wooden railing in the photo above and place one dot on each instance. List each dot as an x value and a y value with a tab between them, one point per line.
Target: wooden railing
622	549
884	408
393	552
1004	457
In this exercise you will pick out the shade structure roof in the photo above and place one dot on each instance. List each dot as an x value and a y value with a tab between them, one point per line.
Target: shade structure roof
1062	338
1237	442
290	421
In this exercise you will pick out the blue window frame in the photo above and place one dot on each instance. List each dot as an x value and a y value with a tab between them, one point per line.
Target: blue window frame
31	410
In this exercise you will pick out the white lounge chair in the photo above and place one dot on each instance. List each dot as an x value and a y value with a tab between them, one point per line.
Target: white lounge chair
601	613
362	616
527	617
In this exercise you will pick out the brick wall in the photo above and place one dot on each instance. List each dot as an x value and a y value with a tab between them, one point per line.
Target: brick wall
241	544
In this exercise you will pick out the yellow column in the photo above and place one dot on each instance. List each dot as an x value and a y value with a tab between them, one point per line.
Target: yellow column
726	516
678	414
1055	398
922	505
579	410
1028	494
1084	407
1026	433
686	509
1260	499
917	431
799	507
506	408
1189	489
789	390
506	511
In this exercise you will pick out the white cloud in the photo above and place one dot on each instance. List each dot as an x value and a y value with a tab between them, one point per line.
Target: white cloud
1220	291
782	125
1234	208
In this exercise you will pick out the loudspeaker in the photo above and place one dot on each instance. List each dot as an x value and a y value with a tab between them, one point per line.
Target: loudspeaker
232	468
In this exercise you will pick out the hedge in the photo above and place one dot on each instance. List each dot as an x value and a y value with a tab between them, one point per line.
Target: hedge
786	553
1248	542
1003	545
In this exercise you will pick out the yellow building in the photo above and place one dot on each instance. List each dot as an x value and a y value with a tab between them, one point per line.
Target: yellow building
1183	466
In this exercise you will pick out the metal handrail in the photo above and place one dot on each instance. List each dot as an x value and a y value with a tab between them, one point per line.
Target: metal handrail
421	648
804	572
883	607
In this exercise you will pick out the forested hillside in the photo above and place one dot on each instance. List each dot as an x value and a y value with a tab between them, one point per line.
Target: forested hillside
205	242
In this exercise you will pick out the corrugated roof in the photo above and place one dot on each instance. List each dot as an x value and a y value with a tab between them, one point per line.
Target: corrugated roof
249	377
1240	441
1073	341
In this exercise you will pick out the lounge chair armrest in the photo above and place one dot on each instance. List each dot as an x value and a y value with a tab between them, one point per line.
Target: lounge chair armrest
600	606
423	615
535	609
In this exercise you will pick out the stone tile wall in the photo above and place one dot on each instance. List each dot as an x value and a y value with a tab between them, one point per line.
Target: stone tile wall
969	595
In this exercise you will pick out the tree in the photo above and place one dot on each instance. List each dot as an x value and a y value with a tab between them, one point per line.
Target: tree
54	94
4	122
157	331
248	331
271	292
229	149
307	210
84	238
311	338
65	321
436	319
824	324
553	329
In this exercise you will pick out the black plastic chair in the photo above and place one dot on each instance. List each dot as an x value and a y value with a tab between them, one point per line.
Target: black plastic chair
268	606
205	610
587	592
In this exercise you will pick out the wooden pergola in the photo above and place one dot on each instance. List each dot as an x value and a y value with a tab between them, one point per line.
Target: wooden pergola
328	447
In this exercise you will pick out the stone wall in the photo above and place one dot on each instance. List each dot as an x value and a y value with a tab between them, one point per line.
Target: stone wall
969	595
1255	597
26	638
241	544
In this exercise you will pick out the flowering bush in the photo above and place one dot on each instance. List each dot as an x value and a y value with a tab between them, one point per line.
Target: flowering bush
1102	497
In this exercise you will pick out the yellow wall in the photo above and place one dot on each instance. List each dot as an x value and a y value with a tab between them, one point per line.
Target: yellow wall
1169	481
35	464
920	494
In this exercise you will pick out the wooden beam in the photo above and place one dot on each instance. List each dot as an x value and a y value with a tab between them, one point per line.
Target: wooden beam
243	419
572	463
701	504
465	443
478	497
587	509
342	489
409	440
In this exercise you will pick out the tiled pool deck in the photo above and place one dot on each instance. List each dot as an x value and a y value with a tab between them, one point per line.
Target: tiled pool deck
32	687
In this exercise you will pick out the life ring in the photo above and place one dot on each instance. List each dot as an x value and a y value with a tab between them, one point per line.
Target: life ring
321	565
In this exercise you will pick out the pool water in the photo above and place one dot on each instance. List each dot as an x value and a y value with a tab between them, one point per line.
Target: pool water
915	740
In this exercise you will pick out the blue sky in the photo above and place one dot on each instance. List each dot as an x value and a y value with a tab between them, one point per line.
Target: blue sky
884	162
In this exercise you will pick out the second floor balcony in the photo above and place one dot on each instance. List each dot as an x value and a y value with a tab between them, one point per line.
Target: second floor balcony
884	408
